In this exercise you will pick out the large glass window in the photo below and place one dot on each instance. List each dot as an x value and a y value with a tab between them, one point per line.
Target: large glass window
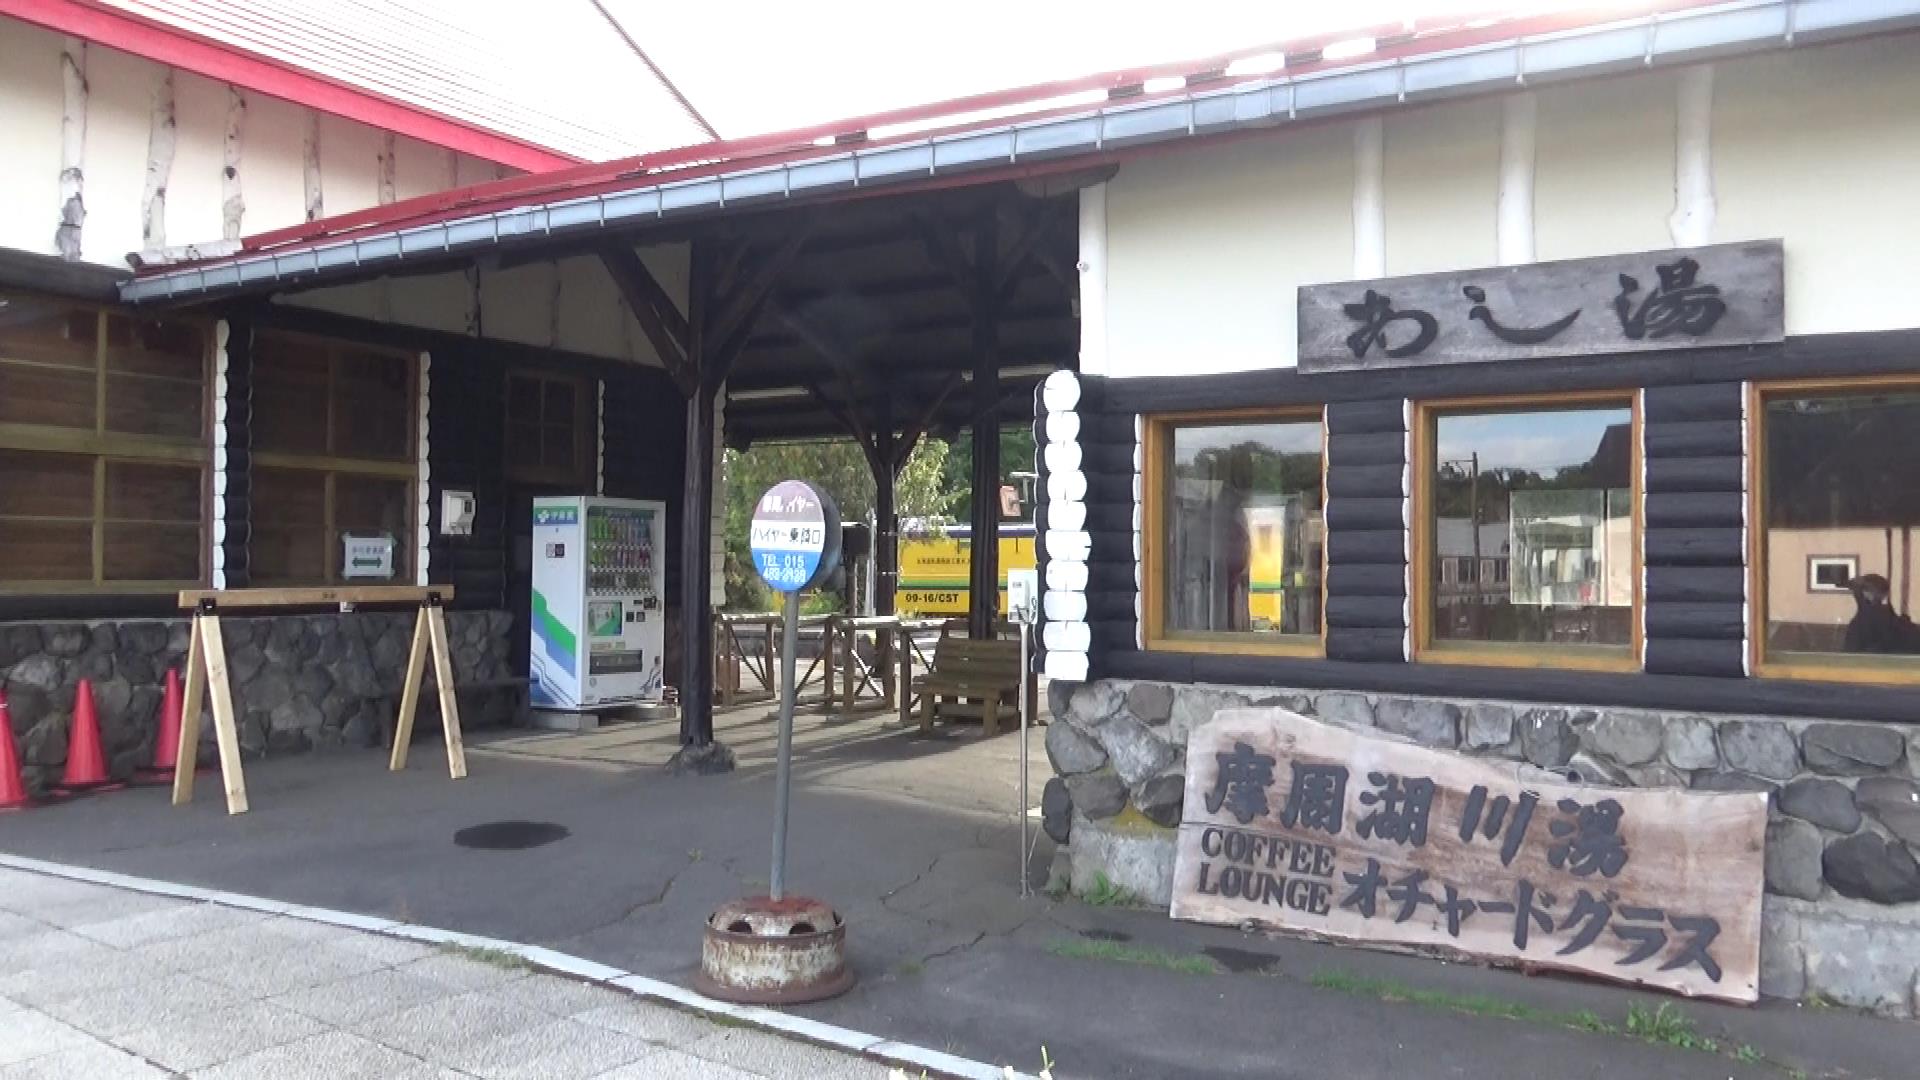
334	455
1839	506
1235	548
1527	527
103	449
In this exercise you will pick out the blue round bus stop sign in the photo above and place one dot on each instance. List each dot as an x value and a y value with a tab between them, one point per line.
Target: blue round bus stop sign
795	536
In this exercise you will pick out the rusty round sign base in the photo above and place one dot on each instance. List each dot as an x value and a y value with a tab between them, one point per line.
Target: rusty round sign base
762	951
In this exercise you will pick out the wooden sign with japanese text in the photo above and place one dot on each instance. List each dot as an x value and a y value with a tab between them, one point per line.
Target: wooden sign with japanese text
1292	824
1727	294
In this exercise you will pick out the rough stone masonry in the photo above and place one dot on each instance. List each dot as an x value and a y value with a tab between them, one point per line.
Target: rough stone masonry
1842	911
300	682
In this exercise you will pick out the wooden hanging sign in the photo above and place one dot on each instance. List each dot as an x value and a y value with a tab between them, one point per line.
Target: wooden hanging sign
1725	294
1296	825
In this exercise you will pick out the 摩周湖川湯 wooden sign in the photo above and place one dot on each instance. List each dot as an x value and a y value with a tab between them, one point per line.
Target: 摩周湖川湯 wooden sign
1726	294
1296	825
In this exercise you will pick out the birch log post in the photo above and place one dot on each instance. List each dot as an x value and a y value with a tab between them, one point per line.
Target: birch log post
162	136
73	148
316	202
233	207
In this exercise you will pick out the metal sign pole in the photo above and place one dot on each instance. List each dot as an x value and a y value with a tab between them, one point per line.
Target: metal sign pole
783	774
1026	635
780	949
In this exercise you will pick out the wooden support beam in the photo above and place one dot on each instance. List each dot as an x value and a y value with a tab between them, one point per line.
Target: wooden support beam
656	312
885	462
983	563
733	316
936	238
1032	237
696	521
849	418
910	437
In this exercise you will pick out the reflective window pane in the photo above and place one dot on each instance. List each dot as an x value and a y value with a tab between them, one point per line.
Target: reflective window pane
1242	529
1841	500
1531	527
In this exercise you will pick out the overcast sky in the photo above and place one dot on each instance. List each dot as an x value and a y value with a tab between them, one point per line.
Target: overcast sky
758	65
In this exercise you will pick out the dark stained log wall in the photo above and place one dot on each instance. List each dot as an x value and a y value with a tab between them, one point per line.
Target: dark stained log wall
1695	540
1694	544
1366	463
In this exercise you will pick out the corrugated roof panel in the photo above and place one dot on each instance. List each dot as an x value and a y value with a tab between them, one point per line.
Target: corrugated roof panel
553	74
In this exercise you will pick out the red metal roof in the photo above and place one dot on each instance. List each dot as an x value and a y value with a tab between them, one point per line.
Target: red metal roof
1303	56
536	89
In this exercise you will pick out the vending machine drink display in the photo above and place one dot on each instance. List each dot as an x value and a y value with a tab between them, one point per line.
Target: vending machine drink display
599	573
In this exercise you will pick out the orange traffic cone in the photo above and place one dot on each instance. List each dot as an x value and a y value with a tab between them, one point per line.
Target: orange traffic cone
86	760
166	745
13	785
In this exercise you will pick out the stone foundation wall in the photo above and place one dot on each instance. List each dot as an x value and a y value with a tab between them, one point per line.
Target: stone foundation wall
1842	912
300	682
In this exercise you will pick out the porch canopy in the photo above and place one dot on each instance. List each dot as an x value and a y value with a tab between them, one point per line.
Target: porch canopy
897	274
883	316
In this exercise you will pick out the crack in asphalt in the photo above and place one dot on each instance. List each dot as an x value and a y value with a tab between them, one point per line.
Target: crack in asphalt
656	900
953	949
911	882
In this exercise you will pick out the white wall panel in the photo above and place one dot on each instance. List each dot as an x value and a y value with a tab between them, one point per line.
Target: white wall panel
591	309
1603	167
119	117
1442	187
420	168
271	172
1819	146
349	165
193	189
1822	147
30	98
1205	249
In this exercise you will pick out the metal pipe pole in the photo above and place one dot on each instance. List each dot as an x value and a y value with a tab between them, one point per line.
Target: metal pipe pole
783	769
1026	631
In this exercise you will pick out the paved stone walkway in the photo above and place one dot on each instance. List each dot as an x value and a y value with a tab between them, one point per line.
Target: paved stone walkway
99	983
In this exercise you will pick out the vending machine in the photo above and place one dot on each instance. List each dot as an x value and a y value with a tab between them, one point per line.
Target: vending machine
599	575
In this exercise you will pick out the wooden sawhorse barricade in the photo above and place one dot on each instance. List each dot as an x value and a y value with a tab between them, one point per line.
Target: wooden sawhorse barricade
207	673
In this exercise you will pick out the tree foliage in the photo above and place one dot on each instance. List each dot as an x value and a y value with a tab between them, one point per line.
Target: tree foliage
1016	455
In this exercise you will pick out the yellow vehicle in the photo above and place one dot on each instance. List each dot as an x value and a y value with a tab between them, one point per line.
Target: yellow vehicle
933	569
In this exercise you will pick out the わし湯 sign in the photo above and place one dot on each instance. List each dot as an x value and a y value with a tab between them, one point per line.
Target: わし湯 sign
1294	824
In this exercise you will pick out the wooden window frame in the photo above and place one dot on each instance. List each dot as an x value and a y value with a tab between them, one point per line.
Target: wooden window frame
101	446
1877	674
1423	435
333	465
1156	445
587	418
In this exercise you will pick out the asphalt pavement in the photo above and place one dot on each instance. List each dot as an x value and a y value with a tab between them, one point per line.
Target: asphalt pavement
915	842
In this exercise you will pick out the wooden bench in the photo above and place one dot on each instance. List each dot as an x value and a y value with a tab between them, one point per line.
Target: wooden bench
974	678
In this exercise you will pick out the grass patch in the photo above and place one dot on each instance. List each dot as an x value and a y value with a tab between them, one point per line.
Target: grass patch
1667	1026
910	967
1663	1025
500	958
1346	982
1105	893
1119	953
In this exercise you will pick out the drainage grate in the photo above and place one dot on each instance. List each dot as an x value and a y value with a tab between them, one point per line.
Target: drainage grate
510	835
